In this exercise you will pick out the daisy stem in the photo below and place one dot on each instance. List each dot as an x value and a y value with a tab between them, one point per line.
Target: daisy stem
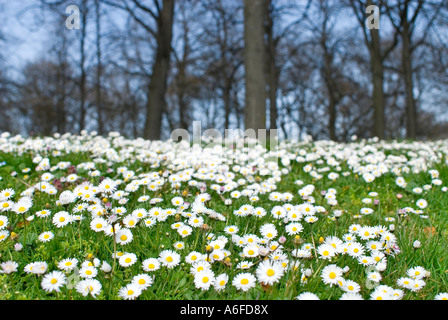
115	251
314	244
24	228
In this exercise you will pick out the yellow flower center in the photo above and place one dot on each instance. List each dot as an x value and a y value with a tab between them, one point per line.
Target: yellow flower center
270	273
332	275
244	281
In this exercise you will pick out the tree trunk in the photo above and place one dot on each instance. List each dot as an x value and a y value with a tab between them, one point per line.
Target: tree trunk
377	70
158	81
272	70
82	83
411	114
99	107
255	96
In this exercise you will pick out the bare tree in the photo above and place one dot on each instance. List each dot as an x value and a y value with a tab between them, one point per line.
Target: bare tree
404	16
157	20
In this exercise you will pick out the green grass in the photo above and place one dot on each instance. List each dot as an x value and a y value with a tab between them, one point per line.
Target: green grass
76	240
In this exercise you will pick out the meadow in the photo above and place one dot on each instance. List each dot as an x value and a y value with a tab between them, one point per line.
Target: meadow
92	217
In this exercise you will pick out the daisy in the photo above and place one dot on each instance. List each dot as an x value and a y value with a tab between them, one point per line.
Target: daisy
151	264
351	296
88	272
123	236
68	264
89	286
268	231
39	267
244	264
307	296
416	272
193	257
232	229
441	296
250	251
422	203
331	274
199	266
127	260
6	194
61	219
46	236
293	228
311	219
107	186
269	272
244	281
179	245
130	292
259	212
23	205
169	258
301	253
378	295
204	279
143	280
374	276
9	267
149	222
43	213
98	224
196	221
351	286
6	205
3	222
417	285
184	231
221	282
326	251
130	221
278	212
355	250
405	282
365	260
53	281
217	255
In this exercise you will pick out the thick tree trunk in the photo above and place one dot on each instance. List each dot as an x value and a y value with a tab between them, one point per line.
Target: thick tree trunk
272	69
158	81
255	99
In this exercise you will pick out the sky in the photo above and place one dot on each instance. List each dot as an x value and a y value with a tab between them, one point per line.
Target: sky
25	26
